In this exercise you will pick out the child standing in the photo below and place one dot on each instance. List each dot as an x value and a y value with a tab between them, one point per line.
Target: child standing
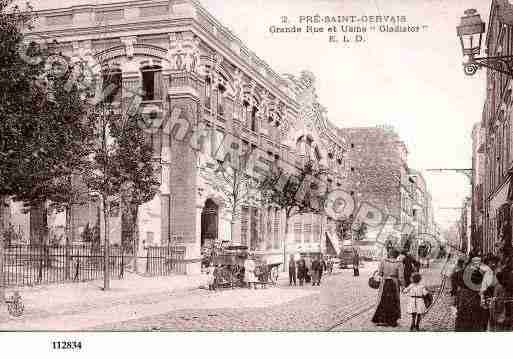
211	272
416	306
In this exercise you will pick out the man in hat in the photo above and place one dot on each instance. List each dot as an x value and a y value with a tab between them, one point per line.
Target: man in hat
292	270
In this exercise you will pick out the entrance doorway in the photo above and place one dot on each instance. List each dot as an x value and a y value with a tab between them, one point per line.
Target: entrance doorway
209	224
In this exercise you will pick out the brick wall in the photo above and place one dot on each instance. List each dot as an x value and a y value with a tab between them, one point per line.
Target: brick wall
183	183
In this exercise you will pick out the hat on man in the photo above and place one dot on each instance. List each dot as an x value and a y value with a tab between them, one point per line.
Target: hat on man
476	260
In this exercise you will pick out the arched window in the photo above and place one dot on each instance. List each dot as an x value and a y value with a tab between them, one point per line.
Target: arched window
112	82
152	83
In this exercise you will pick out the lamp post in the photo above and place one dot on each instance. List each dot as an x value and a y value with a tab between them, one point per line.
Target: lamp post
470	31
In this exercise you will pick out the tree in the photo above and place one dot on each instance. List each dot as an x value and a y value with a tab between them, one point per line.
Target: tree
294	193
231	178
122	169
133	166
23	134
69	138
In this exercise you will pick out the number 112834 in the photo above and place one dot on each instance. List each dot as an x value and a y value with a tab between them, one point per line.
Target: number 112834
66	345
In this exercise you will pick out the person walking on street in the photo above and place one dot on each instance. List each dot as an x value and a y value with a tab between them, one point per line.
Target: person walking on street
470	316
410	266
316	271
308	272
249	272
501	318
329	266
323	268
391	271
356	263
301	270
292	270
416	306
460	265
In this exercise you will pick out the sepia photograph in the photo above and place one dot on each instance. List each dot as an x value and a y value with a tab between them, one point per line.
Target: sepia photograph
258	166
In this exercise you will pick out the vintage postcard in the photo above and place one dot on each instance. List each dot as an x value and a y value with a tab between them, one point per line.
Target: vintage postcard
255	166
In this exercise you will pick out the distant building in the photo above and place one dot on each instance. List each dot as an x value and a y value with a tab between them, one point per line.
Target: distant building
379	175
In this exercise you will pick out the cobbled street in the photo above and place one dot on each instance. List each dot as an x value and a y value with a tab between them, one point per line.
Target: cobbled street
342	303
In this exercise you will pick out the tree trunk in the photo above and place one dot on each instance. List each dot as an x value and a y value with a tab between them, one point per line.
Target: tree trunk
106	249
232	226
135	234
38	224
69	221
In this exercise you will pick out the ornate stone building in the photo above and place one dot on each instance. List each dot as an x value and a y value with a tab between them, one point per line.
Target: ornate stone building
191	68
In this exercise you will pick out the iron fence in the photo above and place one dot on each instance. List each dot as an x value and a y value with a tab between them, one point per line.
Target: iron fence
26	265
165	260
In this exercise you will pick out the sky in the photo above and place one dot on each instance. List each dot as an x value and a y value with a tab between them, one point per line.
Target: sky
412	81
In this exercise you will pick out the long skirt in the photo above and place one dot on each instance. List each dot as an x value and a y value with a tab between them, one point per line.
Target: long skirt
388	311
470	316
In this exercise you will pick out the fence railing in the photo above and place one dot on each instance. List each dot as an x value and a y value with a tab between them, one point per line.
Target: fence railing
165	260
26	265
43	264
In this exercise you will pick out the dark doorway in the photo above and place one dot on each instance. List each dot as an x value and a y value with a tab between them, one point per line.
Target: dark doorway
209	223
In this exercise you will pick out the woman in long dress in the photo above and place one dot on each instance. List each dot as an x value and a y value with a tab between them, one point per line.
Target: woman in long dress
470	315
249	272
391	271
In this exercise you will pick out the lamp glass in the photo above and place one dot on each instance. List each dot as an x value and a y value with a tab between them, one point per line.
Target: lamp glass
470	32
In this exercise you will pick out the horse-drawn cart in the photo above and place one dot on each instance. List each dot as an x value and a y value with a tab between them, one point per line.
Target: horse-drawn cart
229	268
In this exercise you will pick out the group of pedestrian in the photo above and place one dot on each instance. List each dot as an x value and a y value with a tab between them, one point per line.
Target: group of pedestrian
399	270
306	270
483	294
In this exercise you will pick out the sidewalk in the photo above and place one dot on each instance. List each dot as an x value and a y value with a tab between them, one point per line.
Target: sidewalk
71	298
78	306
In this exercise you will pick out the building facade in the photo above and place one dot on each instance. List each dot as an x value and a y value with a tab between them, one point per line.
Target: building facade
379	175
189	68
498	142
478	166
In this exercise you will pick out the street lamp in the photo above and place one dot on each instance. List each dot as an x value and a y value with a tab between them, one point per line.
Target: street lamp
470	31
